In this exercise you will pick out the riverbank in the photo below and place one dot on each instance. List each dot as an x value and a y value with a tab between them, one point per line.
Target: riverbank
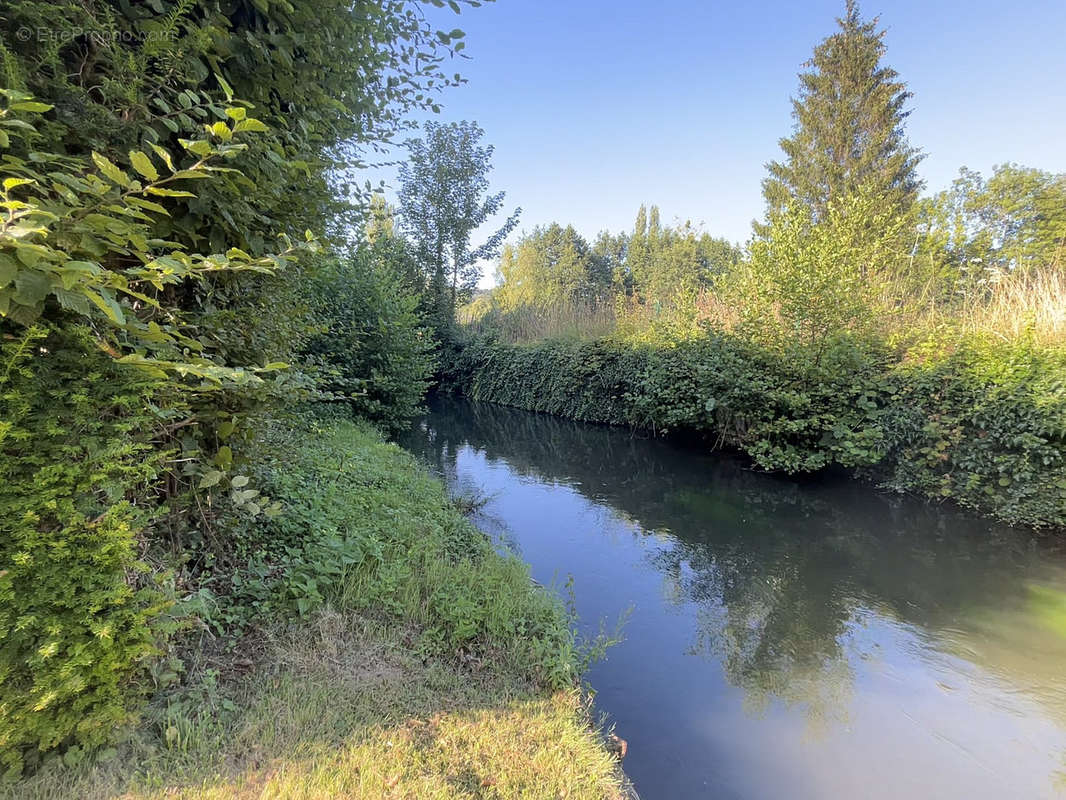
370	644
981	423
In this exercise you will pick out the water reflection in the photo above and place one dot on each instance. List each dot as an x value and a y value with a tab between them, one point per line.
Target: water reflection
883	629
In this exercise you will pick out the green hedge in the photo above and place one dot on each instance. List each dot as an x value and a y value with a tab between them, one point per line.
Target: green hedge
78	614
983	425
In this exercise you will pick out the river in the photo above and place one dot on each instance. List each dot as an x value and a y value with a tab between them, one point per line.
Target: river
785	639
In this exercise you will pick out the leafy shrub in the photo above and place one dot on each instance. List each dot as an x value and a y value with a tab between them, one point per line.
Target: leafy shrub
786	414
78	616
982	425
364	527
371	348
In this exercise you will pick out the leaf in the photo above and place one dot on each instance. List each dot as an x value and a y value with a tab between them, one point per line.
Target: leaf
147	205
30	105
224	456
8	269
73	301
161	192
199	147
210	478
143	164
189	174
239	481
106	302
164	154
111	170
23	315
31	287
236	113
250	124
227	90
221	130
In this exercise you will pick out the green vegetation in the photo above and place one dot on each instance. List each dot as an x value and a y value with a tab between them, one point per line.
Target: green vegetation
443	197
198	297
185	260
921	342
981	425
424	662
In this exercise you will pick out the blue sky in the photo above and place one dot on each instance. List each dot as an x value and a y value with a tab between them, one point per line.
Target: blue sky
596	106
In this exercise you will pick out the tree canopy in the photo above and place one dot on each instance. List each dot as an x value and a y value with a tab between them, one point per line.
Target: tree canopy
848	130
444	199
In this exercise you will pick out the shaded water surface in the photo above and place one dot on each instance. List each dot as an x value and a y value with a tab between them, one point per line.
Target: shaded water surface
787	640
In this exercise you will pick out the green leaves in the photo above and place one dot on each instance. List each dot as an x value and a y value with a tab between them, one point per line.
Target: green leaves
76	633
31	106
143	164
113	173
83	233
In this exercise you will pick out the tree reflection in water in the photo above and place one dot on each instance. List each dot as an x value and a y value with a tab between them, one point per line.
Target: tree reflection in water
783	572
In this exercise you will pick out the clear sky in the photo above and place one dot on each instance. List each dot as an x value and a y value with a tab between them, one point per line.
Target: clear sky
595	106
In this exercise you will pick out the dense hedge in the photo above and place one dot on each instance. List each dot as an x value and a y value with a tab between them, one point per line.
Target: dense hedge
984	425
78	613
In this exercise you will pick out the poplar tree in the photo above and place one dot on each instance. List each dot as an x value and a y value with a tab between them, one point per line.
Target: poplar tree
848	128
444	199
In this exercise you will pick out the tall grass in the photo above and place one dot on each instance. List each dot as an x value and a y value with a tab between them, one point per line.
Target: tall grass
1026	304
574	319
1012	306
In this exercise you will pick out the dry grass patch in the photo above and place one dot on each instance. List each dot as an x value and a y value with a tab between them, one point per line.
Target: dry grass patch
345	708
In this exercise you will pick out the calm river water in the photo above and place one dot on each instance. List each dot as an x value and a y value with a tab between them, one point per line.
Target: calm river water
787	639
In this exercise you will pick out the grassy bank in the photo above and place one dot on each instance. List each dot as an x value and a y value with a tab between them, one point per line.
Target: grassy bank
365	642
981	423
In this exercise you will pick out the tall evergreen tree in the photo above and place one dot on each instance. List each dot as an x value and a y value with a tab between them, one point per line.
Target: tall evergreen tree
849	127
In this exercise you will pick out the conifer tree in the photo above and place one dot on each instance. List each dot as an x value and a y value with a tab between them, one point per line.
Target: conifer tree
849	127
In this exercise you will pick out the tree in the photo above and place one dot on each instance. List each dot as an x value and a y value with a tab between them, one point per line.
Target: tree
849	127
809	283
662	262
637	256
369	346
609	252
443	200
551	265
143	305
979	230
330	79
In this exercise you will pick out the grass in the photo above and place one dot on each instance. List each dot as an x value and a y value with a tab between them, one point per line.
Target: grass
342	708
1014	305
428	666
563	320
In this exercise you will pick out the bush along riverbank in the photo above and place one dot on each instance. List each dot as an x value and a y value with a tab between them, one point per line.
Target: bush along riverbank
365	642
981	423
